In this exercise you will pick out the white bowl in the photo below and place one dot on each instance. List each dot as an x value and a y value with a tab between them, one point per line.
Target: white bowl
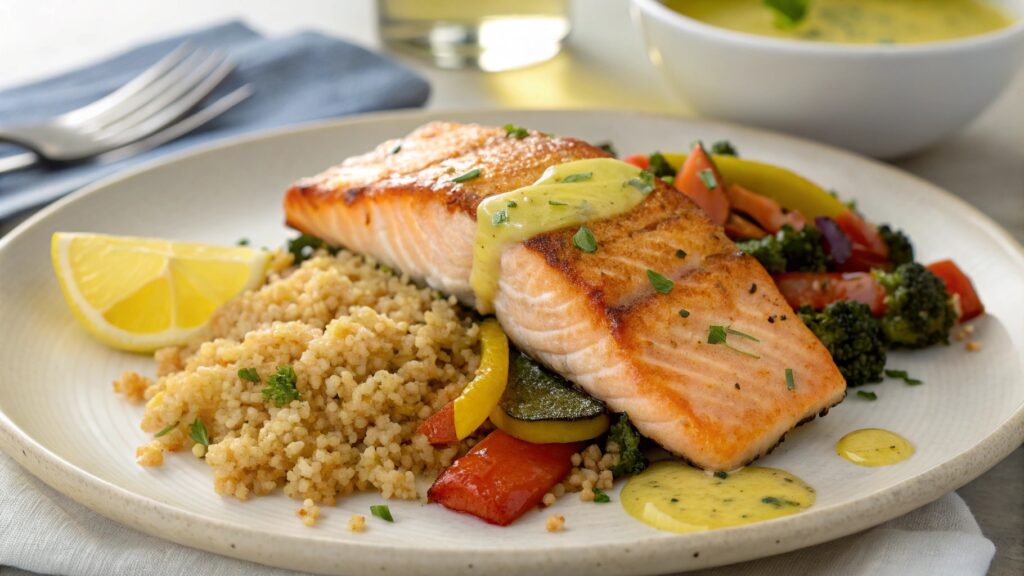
881	100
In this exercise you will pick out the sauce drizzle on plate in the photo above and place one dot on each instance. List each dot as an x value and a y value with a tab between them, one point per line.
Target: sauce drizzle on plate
874	447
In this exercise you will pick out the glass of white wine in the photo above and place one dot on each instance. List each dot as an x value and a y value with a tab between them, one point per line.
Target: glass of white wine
492	35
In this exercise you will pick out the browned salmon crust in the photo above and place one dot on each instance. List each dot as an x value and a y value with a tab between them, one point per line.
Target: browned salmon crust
593	317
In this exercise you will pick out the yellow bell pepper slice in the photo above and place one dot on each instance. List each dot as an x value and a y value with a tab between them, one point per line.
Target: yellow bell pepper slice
482	394
790	190
550	431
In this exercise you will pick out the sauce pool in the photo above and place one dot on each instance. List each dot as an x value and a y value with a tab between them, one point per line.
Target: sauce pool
874	447
674	497
854	21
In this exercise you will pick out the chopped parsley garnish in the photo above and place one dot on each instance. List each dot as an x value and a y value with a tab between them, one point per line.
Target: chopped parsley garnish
249	374
243	241
625	436
382	511
790	382
778	502
600	497
708	178
607	147
680	253
659	166
197	432
584	240
720	335
557	203
722	475
499	217
660	283
644	182
578	177
166	430
395	149
867	395
788	13
902	375
303	246
684	312
474	173
280	388
517	132
670	180
511	204
724	148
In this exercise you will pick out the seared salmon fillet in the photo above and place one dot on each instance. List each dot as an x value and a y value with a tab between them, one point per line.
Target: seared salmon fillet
595	318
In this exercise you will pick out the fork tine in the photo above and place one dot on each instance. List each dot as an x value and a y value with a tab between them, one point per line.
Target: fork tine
161	100
173	111
145	78
182	126
179	73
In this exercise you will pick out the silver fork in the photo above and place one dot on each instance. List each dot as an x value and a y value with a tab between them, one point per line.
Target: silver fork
147	111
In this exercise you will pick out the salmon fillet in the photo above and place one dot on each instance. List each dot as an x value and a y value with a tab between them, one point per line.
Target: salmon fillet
592	317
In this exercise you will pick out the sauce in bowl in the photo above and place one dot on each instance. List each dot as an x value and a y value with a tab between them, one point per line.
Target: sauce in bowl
854	21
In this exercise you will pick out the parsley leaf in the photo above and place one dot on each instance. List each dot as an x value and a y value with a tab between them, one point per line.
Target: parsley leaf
557	203
584	240
724	148
395	149
644	182
790	382
600	497
607	147
243	241
197	432
499	217
660	283
902	375
788	13
474	173
631	458
720	335
684	312
708	178
166	430
382	511
578	177
280	388
511	204
249	374
303	247
517	132
778	502
867	395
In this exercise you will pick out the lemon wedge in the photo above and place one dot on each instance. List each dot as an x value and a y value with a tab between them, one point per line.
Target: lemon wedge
141	294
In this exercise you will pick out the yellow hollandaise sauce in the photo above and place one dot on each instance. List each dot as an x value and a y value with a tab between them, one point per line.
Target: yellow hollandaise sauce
568	194
674	497
854	21
874	447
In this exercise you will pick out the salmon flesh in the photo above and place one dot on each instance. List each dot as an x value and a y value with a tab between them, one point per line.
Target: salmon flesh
595	318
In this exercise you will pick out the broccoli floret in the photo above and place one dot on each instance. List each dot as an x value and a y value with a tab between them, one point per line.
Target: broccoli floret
918	310
789	250
901	251
631	459
659	166
852	336
724	148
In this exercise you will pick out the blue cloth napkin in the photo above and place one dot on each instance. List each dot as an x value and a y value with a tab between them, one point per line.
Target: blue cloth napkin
299	78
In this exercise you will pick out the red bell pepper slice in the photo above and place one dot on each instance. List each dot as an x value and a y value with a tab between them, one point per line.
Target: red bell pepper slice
959	284
440	427
818	290
860	232
639	160
502	477
699	179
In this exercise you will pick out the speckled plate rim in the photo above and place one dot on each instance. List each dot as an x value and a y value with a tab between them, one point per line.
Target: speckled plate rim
318	554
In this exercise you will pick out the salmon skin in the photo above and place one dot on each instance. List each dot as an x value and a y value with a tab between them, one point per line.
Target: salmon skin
595	318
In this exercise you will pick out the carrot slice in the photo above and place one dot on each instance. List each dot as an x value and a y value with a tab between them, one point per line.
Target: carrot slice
739	228
502	477
765	211
700	180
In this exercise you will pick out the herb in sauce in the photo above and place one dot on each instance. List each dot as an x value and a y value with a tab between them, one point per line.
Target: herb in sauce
197	432
557	203
902	375
660	283
280	388
517	132
474	173
578	177
584	240
382	511
790	382
511	204
778	502
249	374
499	217
867	395
788	13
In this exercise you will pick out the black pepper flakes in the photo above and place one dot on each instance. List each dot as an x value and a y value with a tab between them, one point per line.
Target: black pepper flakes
771	319
753	288
783	318
737	385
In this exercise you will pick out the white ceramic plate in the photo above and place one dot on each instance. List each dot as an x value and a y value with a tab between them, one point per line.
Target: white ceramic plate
59	418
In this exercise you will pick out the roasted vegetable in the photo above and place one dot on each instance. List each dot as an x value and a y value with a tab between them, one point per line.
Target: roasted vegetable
502	477
852	336
959	286
540	406
625	436
818	290
699	179
918	310
789	250
901	251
